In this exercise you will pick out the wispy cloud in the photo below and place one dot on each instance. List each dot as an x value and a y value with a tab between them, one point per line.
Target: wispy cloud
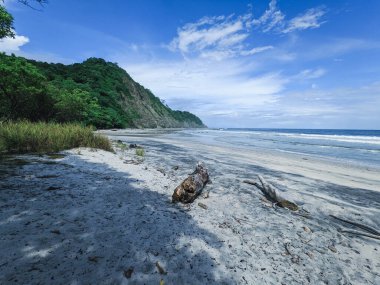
311	73
13	44
274	20
311	19
214	81
214	37
222	37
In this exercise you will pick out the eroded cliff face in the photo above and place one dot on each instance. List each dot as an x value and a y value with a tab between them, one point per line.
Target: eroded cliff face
152	113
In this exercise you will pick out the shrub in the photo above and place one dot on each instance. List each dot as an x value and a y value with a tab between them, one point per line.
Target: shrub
140	152
24	136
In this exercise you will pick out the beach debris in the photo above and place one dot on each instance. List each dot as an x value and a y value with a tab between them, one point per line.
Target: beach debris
202	205
357	233
310	254
295	258
274	195
128	273
162	282
192	186
47	176
175	167
94	258
332	248
361	226
241	220
132	161
306	229
133	145
52	188
254	183
160	269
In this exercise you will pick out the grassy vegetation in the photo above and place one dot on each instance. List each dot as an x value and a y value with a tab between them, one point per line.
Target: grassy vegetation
140	152
21	137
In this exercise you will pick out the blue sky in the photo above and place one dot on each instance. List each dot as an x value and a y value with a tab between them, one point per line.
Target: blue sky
267	63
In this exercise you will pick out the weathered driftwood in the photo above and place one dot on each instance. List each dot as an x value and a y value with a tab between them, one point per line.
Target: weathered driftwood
192	186
357	233
364	227
274	195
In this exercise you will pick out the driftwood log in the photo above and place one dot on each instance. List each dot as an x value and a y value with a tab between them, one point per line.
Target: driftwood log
192	186
272	193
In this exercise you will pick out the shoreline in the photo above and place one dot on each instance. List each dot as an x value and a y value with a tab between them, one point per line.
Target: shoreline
103	217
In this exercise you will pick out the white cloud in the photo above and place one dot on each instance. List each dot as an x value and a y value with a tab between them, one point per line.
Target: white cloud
222	37
216	32
272	18
256	50
216	38
309	20
226	83
13	44
311	73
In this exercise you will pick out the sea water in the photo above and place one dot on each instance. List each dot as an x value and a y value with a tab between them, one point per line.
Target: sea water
350	146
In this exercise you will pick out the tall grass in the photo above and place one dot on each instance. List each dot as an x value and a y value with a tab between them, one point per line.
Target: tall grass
21	137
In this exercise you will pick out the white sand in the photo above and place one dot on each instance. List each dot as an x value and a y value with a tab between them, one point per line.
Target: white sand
108	216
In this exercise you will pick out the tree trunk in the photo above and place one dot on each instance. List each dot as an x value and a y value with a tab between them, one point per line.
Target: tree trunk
192	186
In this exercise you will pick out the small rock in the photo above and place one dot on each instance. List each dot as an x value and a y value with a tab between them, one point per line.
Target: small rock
332	248
306	229
128	273
93	258
202	205
309	254
133	145
57	232
176	167
295	259
161	270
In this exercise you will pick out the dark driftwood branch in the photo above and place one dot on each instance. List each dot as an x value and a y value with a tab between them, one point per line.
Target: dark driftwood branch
192	186
364	227
357	233
274	194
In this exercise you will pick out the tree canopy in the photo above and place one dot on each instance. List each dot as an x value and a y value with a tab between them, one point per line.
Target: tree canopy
94	92
6	19
6	23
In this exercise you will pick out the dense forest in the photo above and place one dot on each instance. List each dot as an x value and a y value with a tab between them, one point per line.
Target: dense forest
94	92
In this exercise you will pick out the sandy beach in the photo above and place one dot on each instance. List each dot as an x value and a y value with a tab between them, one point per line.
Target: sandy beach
95	217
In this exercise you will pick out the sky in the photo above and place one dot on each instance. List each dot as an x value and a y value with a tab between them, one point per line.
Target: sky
234	63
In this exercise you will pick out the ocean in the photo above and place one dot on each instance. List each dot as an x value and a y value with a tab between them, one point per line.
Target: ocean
361	147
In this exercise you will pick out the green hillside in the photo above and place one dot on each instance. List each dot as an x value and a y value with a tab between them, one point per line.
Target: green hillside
94	92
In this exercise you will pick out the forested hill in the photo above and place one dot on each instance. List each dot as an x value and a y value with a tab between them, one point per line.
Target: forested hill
94	92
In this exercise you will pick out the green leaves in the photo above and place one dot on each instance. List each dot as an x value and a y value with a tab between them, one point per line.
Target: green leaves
23	92
6	24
